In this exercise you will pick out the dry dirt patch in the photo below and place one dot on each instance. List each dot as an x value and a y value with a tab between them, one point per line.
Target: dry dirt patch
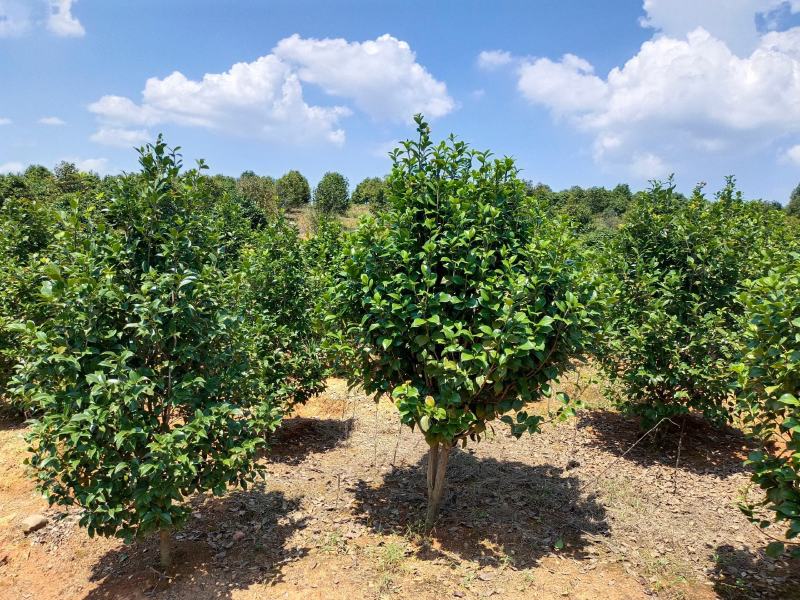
558	515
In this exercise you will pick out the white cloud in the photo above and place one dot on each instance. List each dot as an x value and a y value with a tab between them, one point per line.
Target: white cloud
649	166
96	165
493	59
264	98
20	17
677	100
61	21
55	121
793	154
567	87
15	18
381	76
259	99
122	138
732	21
11	167
5	121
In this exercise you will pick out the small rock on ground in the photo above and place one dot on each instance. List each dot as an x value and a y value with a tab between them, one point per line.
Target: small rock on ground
33	523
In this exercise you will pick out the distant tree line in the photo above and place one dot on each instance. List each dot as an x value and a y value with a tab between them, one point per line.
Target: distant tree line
593	210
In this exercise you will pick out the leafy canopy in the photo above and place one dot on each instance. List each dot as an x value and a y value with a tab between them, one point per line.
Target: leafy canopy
769	389
293	190
674	271
371	190
793	207
27	230
462	302
147	384
277	296
331	194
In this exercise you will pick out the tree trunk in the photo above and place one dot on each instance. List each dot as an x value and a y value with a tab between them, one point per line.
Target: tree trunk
165	546
438	456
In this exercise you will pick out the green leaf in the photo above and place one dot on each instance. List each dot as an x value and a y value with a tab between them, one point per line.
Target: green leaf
775	549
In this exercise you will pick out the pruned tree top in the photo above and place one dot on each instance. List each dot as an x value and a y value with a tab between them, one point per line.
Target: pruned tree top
462	301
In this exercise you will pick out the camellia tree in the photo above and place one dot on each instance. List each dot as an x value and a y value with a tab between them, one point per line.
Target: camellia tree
323	256
143	376
259	192
27	230
277	296
371	190
674	270
769	391
331	194
793	206
293	190
461	302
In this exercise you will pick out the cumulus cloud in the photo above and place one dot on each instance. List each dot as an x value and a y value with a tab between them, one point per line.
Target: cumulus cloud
568	86
5	121
15	18
647	165
265	99
494	59
734	22
19	17
120	137
61	21
680	98
53	121
692	92
382	77
95	165
793	154
11	167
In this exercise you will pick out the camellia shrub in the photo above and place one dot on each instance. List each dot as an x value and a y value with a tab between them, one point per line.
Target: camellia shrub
769	390
260	193
143	374
324	256
461	302
673	272
27	230
277	296
331	194
371	190
293	190
36	183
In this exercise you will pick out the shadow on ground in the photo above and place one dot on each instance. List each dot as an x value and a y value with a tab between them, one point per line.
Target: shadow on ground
496	512
297	437
211	560
741	574
705	450
10	417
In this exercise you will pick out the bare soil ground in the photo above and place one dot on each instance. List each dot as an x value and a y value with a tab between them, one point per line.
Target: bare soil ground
562	514
303	217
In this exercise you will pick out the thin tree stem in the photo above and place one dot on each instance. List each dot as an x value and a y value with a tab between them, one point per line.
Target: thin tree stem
165	547
437	471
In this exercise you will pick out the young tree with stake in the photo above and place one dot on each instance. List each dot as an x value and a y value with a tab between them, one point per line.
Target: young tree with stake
463	302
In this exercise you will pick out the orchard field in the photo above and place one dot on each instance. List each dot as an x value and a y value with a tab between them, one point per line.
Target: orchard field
447	382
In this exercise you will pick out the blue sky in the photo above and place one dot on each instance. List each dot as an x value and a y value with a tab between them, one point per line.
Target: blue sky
579	92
